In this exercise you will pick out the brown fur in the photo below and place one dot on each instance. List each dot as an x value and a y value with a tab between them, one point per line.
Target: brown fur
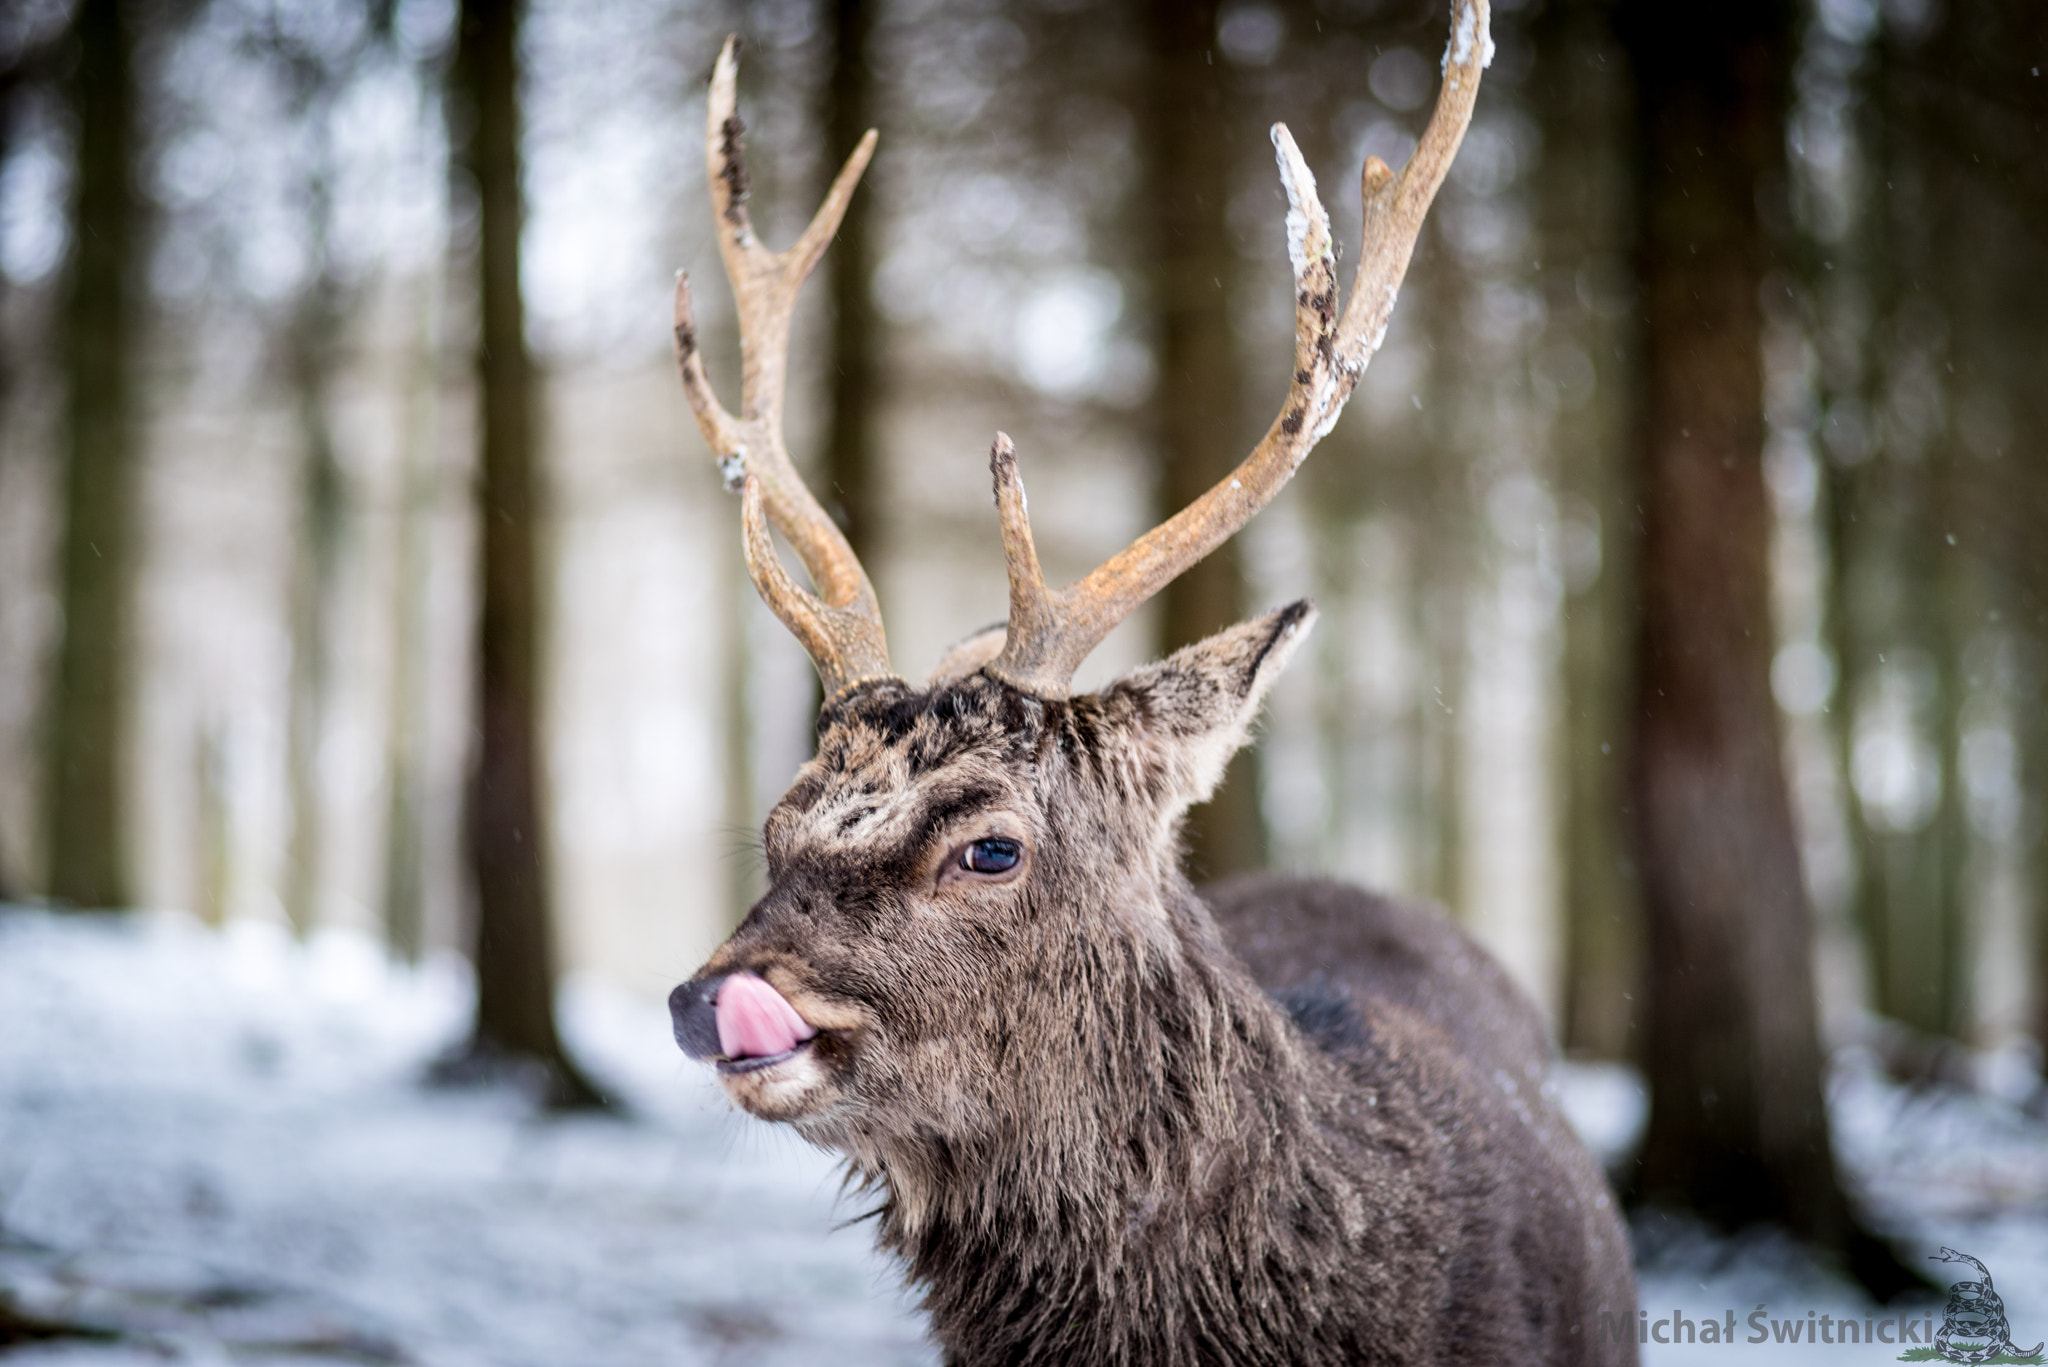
1094	1136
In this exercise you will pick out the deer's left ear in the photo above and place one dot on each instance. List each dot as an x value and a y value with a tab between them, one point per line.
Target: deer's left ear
1196	707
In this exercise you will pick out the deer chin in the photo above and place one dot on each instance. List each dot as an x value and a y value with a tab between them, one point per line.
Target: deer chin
786	1087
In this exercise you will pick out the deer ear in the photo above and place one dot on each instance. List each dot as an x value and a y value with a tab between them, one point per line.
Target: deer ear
969	655
1198	704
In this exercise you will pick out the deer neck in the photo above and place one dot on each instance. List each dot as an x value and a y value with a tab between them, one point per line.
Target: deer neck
1156	1162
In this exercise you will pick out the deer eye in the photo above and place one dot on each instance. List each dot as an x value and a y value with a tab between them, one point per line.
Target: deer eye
991	856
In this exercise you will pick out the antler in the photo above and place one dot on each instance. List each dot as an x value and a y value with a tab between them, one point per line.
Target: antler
841	624
1051	631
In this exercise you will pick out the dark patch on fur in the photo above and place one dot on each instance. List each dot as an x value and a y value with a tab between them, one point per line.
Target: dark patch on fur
734	170
1321	1010
1291	424
867	703
1289	618
686	341
950	805
804	793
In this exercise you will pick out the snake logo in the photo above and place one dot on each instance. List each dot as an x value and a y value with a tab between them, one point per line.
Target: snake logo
1973	1324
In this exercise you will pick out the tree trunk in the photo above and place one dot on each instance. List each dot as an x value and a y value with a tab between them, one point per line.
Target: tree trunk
1580	95
404	885
86	809
322	508
1902	587
1197	404
211	824
853	477
506	832
1964	102
2033	741
1738	1128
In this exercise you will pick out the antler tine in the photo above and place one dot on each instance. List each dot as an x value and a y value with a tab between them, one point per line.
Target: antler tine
1050	631
841	626
1034	609
846	644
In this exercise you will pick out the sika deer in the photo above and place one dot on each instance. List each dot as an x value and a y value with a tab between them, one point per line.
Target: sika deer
1110	1119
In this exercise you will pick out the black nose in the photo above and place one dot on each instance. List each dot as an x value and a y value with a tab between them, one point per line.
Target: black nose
693	1010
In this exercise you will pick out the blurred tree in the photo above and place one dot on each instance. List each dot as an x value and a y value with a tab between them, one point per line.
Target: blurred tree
854	369
1926	296
1961	105
1438	508
317	64
211	823
322	511
403	894
505	816
854	372
1186	142
1581	96
29	66
1889	480
29	63
1738	1129
86	808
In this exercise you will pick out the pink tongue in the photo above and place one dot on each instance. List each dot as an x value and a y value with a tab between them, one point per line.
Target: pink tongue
754	1021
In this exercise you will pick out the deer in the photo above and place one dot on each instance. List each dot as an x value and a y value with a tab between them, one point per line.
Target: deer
1107	1117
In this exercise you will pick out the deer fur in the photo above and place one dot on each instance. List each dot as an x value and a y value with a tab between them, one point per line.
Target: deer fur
1107	1119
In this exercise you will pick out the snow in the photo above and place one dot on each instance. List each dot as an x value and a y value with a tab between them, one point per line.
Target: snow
214	1144
733	470
1931	1166
1459	50
1308	227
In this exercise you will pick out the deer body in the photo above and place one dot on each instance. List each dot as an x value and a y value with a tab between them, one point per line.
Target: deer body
1094	1134
1105	1120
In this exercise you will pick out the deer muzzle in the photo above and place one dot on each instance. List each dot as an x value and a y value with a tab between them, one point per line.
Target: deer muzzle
737	1021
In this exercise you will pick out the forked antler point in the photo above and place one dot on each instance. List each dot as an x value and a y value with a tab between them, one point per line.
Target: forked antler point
1331	351
841	624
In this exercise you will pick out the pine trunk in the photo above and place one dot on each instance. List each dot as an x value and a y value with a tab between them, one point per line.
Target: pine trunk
86	808
1197	404
853	477
506	831
322	509
1738	1128
1580	94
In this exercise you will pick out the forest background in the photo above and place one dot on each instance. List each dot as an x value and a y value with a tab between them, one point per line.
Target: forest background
1684	583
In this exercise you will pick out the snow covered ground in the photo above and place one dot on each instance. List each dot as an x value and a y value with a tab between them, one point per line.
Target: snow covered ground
215	1145
220	1140
1934	1167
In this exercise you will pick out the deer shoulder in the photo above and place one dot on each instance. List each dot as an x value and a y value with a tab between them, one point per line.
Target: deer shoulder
1322	948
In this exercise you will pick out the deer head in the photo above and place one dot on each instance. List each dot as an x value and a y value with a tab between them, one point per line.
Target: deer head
986	866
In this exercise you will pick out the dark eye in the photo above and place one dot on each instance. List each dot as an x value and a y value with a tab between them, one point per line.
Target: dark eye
992	856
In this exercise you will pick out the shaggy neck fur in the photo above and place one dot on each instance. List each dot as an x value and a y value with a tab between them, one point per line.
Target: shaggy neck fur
1185	1208
1151	1165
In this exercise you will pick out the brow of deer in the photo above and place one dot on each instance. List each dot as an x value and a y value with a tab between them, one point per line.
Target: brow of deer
1049	631
906	820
